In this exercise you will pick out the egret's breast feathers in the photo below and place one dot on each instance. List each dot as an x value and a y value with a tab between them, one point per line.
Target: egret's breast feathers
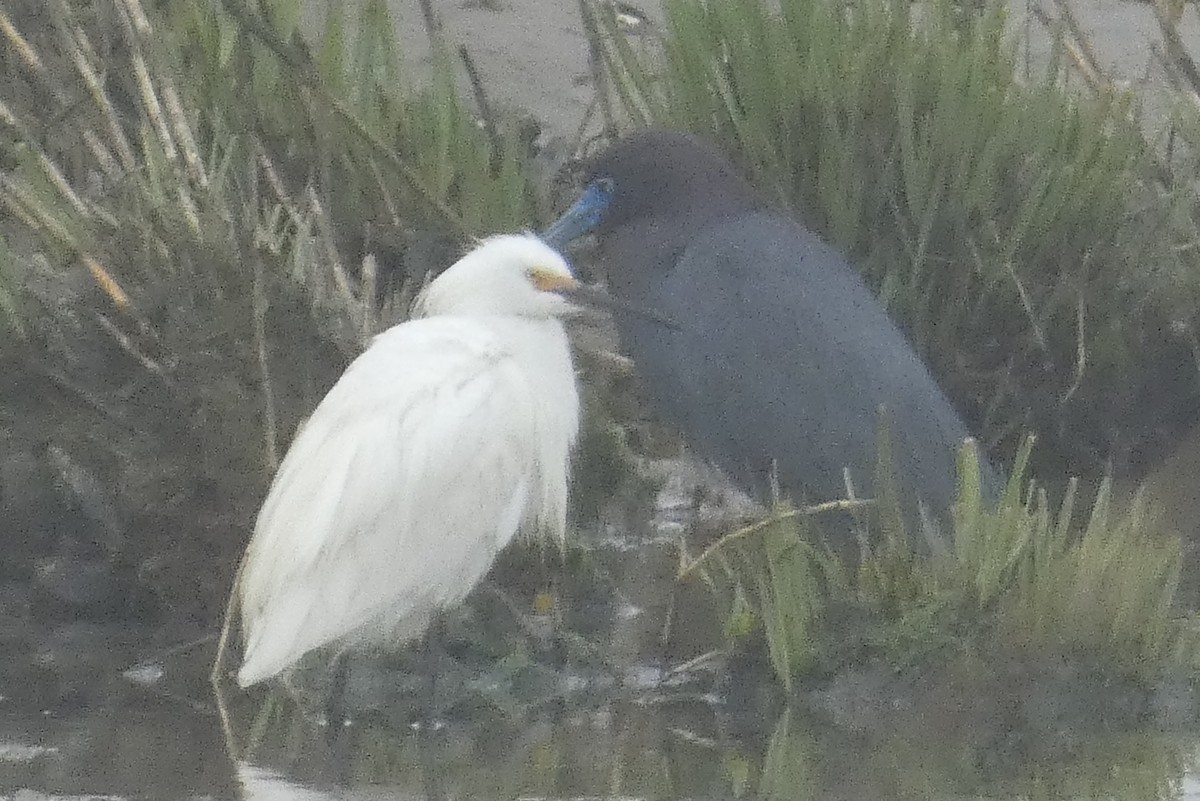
425	459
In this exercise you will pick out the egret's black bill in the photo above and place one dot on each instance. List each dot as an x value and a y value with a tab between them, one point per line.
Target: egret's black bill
593	297
582	217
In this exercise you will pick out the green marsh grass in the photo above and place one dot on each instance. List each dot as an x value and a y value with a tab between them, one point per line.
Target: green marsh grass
1024	578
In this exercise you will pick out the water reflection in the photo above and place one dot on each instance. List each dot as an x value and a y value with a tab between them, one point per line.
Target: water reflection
632	750
120	739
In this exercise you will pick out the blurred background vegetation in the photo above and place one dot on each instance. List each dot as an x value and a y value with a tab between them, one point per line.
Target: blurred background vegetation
206	215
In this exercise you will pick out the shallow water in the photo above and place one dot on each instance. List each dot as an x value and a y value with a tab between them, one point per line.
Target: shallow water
620	711
114	738
91	710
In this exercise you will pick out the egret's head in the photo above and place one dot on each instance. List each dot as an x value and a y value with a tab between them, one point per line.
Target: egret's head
514	275
653	174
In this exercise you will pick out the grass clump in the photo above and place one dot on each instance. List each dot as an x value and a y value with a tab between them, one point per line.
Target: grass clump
775	578
1050	578
1113	584
1026	583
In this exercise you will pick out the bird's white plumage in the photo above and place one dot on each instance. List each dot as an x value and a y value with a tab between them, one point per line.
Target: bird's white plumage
440	442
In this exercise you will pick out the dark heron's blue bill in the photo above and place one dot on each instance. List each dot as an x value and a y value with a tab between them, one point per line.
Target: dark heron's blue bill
582	218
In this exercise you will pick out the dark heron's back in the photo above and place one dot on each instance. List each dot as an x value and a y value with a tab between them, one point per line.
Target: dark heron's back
782	357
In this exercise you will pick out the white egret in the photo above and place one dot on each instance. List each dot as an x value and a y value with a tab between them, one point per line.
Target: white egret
443	439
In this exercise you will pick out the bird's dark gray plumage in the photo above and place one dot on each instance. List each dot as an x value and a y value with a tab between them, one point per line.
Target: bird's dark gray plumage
780	357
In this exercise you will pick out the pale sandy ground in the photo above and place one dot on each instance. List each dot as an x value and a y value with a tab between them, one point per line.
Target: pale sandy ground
533	55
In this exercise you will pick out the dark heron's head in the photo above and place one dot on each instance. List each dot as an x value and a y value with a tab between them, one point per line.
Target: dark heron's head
652	177
781	357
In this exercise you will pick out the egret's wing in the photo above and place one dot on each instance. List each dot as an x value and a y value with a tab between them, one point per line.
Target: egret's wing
395	496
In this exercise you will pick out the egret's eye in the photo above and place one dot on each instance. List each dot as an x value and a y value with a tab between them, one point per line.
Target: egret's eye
545	280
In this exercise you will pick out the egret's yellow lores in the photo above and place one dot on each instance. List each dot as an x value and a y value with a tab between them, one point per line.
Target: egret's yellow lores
450	434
